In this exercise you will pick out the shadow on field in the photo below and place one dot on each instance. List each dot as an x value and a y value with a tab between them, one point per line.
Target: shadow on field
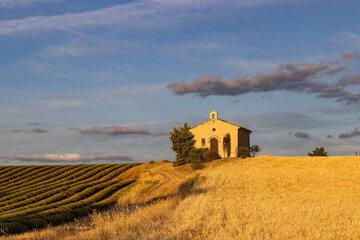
185	189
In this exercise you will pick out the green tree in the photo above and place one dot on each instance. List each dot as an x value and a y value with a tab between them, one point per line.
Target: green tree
243	152
183	141
254	149
318	152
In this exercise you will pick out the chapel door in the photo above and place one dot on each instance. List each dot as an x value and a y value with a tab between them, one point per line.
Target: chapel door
214	145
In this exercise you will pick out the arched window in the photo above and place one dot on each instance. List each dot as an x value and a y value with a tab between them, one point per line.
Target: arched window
213	116
203	142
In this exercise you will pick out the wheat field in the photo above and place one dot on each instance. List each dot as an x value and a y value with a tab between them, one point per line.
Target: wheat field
254	198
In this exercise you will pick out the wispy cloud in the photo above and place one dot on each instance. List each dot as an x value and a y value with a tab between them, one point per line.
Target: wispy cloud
252	66
149	13
353	133
351	55
38	130
16	3
348	39
34	123
80	47
115	130
33	130
16	130
71	157
336	70
348	81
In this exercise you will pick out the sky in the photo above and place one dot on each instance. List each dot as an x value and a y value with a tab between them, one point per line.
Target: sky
106	81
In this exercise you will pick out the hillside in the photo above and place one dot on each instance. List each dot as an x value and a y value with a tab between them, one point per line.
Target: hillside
253	198
37	196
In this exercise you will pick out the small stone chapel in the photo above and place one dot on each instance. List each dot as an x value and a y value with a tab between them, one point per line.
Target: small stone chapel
211	133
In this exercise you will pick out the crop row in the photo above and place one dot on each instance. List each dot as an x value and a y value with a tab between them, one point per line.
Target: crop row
81	192
37	175
36	196
30	191
68	213
57	194
18	172
41	178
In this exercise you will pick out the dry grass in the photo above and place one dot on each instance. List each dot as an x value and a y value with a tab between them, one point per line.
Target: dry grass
261	198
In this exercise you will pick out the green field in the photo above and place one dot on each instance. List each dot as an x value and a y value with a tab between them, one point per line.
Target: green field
38	196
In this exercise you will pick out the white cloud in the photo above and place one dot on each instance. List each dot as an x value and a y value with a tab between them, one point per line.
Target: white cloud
16	3
88	47
70	157
143	13
348	39
252	66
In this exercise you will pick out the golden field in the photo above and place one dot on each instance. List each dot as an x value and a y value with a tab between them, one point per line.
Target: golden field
255	198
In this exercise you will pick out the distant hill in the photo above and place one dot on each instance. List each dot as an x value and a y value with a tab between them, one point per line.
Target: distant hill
38	196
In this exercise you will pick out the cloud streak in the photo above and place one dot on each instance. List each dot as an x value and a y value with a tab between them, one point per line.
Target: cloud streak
34	123
336	70
71	157
33	130
348	81
288	77
351	55
16	3
145	13
353	133
38	130
115	130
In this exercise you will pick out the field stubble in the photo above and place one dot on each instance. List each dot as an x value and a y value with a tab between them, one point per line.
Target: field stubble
255	198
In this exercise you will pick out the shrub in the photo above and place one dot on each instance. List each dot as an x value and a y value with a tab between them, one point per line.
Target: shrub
210	155
254	149
152	162
197	165
318	152
243	152
197	154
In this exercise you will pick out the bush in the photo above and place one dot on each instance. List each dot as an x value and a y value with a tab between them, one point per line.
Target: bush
318	152
197	165
243	152
210	155
254	149
197	154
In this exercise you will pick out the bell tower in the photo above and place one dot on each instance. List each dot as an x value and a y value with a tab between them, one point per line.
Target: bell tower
213	115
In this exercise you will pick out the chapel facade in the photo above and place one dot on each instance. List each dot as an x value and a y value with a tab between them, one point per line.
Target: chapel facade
211	133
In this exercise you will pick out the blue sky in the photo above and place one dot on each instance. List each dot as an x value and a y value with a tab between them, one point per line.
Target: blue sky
105	81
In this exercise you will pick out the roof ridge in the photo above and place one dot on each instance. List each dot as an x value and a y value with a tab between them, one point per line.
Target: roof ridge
224	122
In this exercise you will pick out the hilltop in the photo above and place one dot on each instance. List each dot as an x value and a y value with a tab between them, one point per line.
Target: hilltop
253	198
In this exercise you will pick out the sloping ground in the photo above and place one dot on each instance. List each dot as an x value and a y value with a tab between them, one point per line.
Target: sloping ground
253	198
37	196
